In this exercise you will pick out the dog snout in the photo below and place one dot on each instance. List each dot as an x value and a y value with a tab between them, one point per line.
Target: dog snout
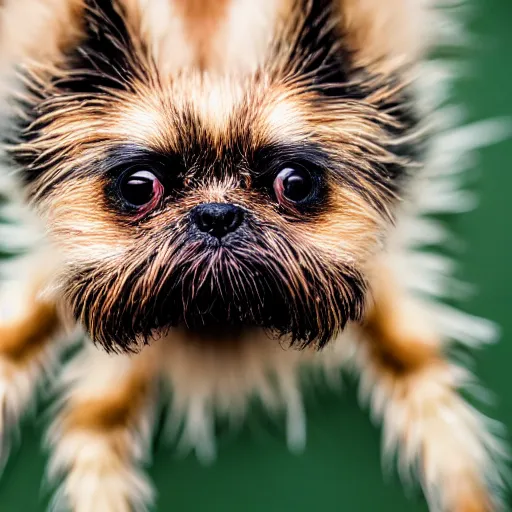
217	219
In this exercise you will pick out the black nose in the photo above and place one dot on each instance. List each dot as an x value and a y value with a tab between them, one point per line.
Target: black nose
217	219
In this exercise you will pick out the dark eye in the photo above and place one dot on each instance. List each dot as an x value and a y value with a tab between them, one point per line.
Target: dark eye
141	189
294	185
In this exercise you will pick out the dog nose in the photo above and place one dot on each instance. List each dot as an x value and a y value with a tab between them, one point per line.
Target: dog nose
218	219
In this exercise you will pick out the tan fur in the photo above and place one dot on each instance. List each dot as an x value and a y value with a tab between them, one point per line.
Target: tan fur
380	33
474	501
103	430
393	322
19	341
36	31
208	59
385	34
26	333
112	412
192	366
92	231
416	384
244	36
431	420
412	387
202	19
209	35
30	345
415	390
82	131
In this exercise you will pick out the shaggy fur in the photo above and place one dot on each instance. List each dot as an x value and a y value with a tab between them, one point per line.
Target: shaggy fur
216	99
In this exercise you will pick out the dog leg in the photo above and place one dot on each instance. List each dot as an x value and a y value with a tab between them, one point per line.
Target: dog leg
28	351
414	389
102	434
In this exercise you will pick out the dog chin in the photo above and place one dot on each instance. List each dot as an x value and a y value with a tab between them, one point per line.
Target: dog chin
217	336
211	315
226	296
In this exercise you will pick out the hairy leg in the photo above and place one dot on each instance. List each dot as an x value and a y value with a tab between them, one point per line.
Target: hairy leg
415	390
102	433
29	350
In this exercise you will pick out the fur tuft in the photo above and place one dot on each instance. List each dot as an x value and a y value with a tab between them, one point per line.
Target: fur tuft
102	435
84	455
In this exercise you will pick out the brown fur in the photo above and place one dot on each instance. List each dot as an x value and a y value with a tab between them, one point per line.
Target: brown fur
152	112
113	412
23	338
97	434
377	31
414	401
394	339
19	341
414	387
475	500
212	84
202	19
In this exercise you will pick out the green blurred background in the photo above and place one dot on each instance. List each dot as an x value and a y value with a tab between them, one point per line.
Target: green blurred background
340	469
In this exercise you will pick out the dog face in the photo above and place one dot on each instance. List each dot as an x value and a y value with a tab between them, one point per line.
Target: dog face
212	190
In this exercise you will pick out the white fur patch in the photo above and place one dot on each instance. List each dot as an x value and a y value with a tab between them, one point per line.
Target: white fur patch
94	475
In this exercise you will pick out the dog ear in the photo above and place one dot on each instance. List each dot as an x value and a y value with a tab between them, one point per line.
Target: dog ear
384	34
37	30
109	54
330	43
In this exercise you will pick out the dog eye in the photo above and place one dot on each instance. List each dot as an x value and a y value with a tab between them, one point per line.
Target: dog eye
141	188
293	185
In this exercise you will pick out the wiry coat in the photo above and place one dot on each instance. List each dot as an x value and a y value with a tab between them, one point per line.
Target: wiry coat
216	98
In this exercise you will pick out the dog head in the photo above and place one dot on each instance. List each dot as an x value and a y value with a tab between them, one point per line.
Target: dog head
208	181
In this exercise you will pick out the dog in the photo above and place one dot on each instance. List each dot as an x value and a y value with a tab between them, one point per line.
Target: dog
221	193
